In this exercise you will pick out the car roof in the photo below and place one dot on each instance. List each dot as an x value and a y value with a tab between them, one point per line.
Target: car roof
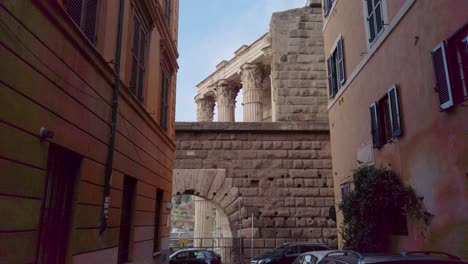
318	253
378	258
187	250
304	243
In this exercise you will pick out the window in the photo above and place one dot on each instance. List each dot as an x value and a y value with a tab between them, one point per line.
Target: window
345	190
164	100
126	219
327	5
57	207
84	14
336	69
157	218
375	20
386	118
294	250
167	11
450	63
138	53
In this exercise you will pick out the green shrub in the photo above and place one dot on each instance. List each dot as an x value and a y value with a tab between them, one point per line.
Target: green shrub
370	208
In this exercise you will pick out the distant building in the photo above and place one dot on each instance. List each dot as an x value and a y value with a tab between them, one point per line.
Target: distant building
56	91
397	79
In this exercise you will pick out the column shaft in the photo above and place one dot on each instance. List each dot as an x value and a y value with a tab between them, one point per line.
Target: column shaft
226	94
251	76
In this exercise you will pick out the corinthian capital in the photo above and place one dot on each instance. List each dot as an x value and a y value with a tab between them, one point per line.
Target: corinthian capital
205	109
251	75
226	93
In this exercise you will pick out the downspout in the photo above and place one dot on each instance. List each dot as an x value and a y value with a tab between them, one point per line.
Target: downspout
115	105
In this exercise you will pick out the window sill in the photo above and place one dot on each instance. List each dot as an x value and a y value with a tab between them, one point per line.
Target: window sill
157	253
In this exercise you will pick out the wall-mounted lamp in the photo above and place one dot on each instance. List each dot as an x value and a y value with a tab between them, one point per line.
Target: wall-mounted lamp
45	134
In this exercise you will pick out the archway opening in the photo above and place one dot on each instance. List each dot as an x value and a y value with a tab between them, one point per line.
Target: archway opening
201	223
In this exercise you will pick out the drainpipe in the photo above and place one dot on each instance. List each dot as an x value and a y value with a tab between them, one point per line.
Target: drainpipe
115	105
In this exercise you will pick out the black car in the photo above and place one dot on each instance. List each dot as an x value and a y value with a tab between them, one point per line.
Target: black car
414	257
287	253
194	256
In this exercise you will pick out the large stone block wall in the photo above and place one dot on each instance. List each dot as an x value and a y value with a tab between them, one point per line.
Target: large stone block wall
299	86
279	172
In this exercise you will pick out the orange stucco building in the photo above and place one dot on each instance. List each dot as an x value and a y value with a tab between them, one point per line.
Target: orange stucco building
397	74
57	91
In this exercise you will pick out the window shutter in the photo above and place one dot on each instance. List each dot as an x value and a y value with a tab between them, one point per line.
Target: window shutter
441	74
326	9
375	125
164	100
341	66
331	79
84	14
74	9
394	106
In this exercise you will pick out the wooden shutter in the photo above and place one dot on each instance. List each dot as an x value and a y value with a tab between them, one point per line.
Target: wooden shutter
74	9
340	60
88	25
164	100
331	75
167	11
84	14
394	107
441	74
375	130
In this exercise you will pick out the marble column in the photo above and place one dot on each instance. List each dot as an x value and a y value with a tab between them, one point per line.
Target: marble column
226	93
205	109
204	220
251	75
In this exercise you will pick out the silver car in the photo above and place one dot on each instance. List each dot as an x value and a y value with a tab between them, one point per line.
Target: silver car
311	257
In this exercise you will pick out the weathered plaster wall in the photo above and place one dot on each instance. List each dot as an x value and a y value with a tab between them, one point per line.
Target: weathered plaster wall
431	156
299	87
279	172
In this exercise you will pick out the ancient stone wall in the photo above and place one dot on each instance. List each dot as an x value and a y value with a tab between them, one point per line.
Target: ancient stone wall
298	67
279	172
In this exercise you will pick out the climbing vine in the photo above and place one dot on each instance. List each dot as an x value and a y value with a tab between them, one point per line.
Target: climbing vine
370	209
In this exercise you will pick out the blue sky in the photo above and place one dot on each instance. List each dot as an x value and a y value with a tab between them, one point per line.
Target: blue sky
209	32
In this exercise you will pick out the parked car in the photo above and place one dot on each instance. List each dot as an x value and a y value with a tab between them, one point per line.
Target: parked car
194	256
287	253
412	257
312	257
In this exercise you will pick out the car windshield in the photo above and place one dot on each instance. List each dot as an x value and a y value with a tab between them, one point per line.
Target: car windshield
279	249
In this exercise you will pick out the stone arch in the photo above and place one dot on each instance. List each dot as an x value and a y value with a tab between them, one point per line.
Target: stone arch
212	186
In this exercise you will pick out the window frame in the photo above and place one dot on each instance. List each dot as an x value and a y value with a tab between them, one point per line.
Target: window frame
327	7
165	98
455	68
141	60
384	14
167	12
336	67
382	122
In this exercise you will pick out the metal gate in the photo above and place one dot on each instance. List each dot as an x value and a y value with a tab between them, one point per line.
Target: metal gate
230	249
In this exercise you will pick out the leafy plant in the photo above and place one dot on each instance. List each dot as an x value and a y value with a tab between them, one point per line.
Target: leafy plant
369	209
